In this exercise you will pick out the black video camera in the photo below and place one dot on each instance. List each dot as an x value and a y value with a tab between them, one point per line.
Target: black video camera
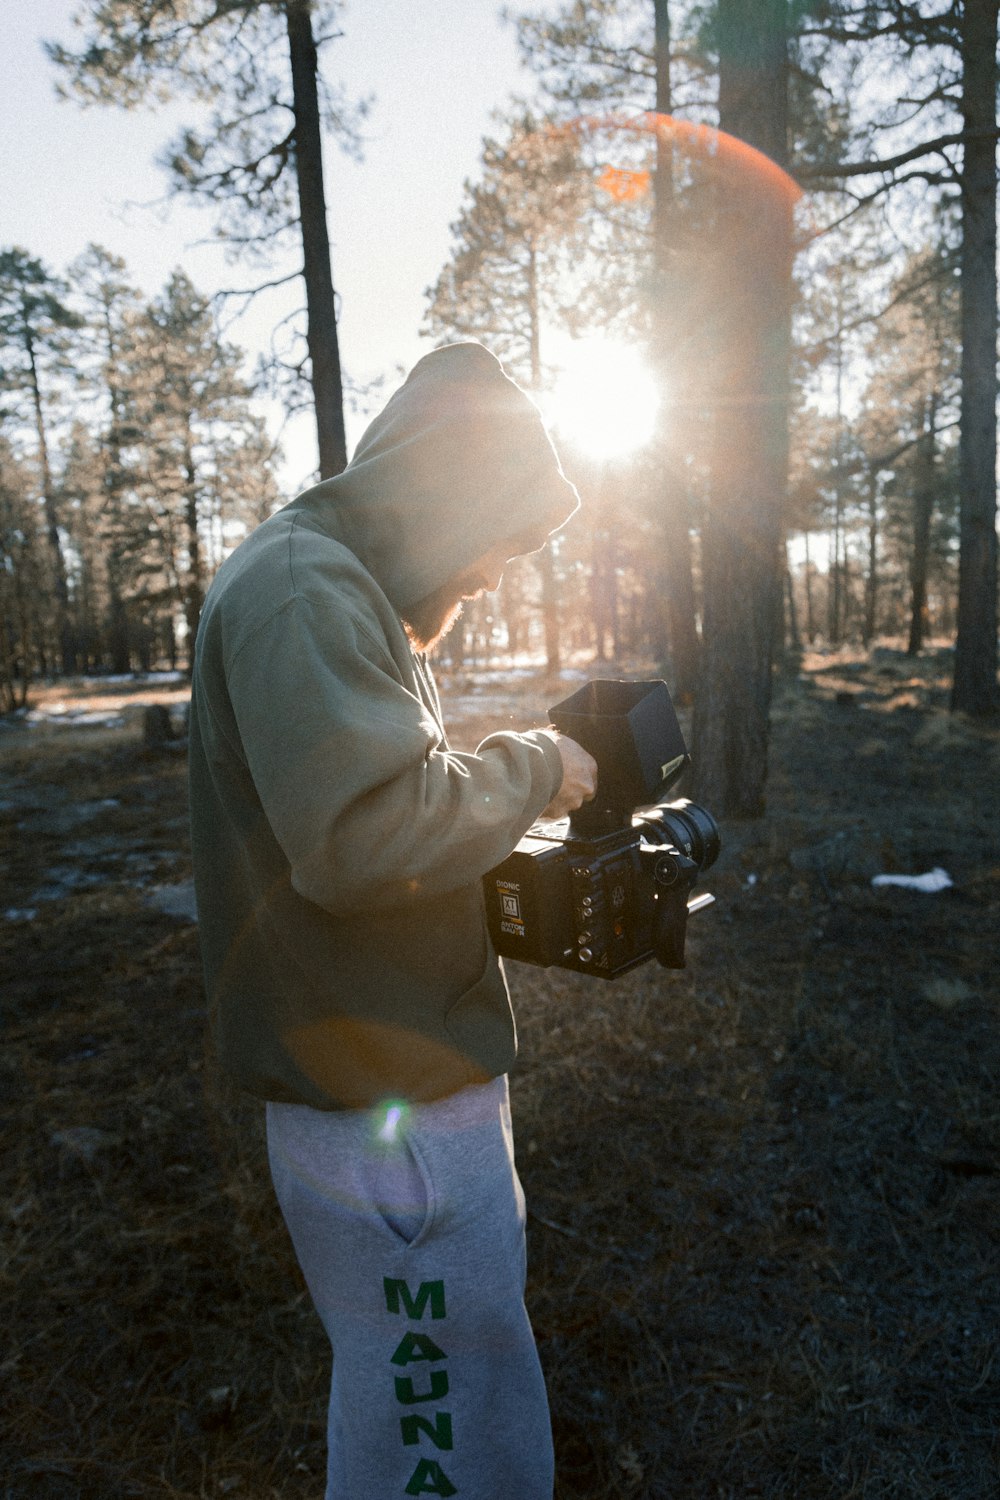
611	887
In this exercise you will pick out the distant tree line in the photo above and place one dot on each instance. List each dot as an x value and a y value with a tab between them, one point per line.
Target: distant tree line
131	461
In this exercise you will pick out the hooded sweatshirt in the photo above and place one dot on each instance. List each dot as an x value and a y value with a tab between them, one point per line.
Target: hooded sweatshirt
339	842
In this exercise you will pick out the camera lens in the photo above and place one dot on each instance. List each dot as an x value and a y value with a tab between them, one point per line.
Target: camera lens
690	828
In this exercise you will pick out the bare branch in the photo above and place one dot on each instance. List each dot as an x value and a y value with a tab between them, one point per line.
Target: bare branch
834	170
252	291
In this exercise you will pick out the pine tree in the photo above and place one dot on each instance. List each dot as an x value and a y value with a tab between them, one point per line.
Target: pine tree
513	244
83	499
36	325
743	530
206	460
111	310
513	250
259	158
911	416
975	689
943	133
22	592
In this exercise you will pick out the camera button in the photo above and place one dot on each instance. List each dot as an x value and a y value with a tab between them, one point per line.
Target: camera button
585	955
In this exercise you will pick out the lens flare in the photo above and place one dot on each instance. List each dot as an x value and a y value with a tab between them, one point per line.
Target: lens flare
604	400
389	1128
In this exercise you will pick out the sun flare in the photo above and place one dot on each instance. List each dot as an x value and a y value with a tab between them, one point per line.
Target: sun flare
604	400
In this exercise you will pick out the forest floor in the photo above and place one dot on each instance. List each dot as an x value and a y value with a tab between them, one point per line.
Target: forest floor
764	1193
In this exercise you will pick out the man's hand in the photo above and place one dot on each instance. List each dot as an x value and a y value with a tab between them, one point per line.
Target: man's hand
579	781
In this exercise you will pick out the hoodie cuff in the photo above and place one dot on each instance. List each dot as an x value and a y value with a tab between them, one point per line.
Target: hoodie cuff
553	759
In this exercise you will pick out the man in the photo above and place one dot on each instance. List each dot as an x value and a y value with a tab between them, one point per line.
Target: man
339	846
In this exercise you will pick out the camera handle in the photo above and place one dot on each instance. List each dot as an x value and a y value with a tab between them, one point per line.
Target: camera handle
673	875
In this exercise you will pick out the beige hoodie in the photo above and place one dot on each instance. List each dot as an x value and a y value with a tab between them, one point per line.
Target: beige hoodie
339	842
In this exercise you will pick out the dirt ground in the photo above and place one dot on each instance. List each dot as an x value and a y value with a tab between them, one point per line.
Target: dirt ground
764	1193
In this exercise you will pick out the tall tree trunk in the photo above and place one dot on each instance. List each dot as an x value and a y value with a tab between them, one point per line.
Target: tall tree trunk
599	595
534	321
119	653
975	688
682	629
8	692
550	609
194	586
838	577
794	634
321	313
744	523
871	580
923	507
64	628
617	607
807	571
12	635
835	601
116	627
546	558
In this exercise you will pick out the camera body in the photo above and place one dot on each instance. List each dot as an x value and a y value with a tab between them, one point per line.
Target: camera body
610	887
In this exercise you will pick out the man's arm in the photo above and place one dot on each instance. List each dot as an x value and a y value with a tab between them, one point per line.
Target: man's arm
368	808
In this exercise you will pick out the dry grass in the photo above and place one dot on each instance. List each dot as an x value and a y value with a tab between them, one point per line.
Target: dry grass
764	1193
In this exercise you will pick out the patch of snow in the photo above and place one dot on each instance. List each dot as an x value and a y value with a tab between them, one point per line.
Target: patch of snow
947	993
102	848
174	900
141	864
63	880
83	1141
933	881
58	713
65	819
130	679
20	914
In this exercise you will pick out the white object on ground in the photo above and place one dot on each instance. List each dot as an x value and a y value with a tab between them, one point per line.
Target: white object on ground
935	880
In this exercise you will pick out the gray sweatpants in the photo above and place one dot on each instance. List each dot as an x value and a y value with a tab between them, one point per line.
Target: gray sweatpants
408	1223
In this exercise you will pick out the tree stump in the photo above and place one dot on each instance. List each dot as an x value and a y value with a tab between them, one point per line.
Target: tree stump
157	730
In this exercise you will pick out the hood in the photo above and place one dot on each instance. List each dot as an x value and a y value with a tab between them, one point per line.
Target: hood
457	461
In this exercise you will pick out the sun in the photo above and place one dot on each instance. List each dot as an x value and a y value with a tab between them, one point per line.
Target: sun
604	400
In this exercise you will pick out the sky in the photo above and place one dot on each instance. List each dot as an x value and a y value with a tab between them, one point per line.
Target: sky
70	176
